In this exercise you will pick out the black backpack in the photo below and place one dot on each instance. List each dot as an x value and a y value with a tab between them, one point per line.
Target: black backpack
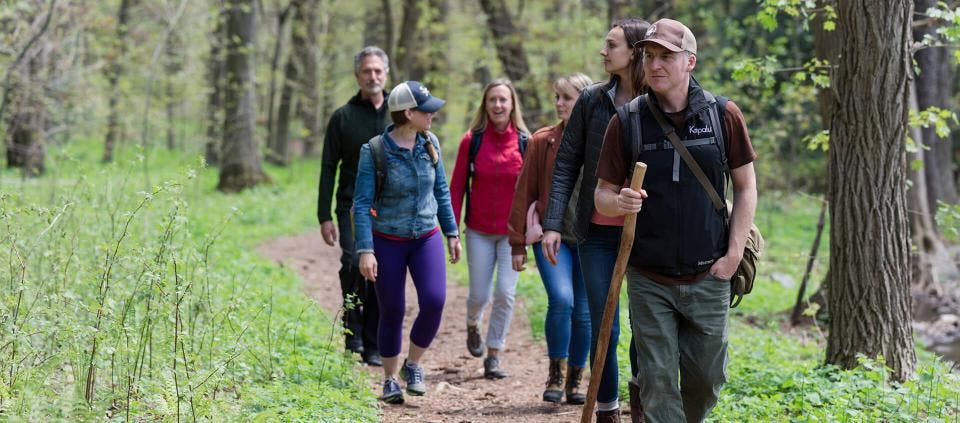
475	140
380	160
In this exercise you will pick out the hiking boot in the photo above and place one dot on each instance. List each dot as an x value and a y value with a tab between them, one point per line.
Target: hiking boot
474	341
413	375
492	370
391	392
554	391
636	410
574	396
372	358
612	416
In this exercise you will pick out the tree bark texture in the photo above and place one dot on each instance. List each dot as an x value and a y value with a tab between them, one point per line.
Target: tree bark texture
869	290
114	72
306	43
240	162
934	84
215	64
509	42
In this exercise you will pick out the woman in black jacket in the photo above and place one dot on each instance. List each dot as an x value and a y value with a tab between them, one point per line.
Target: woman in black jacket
598	236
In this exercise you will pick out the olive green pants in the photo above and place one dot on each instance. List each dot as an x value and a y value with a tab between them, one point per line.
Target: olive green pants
679	331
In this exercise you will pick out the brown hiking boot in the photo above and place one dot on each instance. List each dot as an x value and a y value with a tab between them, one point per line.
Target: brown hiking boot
612	416
636	410
554	391
574	396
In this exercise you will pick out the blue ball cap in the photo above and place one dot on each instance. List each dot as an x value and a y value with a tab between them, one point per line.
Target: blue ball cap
413	95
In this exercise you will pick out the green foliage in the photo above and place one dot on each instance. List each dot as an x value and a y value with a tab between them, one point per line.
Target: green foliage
948	220
940	119
157	289
776	373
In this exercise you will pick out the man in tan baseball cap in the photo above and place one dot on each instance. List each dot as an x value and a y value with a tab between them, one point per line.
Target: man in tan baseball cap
672	35
686	247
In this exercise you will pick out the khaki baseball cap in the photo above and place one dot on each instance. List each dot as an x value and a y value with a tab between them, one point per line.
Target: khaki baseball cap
672	35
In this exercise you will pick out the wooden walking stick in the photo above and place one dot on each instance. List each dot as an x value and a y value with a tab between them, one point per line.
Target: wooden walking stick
613	295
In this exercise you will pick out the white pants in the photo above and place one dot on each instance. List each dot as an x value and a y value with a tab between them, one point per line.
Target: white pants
484	253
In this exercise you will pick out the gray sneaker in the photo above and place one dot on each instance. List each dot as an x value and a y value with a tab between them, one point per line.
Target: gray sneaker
474	341
391	392
413	375
492	370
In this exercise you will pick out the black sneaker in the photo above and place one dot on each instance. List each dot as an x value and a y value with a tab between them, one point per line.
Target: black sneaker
391	392
492	370
372	358
474	341
413	375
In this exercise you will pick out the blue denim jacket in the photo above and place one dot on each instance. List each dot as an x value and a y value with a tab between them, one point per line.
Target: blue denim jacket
415	194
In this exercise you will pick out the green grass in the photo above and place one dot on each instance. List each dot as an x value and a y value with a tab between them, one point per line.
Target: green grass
193	323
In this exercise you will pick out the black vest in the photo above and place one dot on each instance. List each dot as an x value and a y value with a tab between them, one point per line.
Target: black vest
679	231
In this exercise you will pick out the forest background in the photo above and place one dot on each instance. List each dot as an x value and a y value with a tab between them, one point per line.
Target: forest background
131	289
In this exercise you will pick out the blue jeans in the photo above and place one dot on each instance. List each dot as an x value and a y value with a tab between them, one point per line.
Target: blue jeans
598	256
567	323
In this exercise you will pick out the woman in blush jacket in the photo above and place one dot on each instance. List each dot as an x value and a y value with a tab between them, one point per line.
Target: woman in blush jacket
488	185
567	325
396	230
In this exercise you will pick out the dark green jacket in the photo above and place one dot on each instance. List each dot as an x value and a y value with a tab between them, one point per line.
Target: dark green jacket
350	127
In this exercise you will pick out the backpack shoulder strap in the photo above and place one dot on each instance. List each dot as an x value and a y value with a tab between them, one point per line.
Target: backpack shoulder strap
631	131
718	107
379	163
475	139
522	139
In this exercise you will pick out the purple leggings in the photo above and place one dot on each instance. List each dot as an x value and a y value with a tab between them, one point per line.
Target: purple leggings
425	258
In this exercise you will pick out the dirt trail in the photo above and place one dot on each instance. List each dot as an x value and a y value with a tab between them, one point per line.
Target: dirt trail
457	391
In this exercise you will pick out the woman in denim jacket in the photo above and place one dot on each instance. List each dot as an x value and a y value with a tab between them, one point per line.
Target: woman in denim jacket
396	229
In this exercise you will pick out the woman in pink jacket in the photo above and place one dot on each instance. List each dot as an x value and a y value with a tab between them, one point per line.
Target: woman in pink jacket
487	181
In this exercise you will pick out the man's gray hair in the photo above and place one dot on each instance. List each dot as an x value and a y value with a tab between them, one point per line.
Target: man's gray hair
368	50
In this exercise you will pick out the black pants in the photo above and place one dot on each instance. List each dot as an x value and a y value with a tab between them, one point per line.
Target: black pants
361	314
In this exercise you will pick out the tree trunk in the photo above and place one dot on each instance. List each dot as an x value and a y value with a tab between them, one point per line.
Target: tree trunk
114	72
281	138
869	290
272	94
934	86
25	138
827	48
329	60
410	46
218	39
378	27
240	162
306	44
173	66
508	40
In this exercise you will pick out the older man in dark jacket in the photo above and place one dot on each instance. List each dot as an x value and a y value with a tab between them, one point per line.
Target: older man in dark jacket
363	117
